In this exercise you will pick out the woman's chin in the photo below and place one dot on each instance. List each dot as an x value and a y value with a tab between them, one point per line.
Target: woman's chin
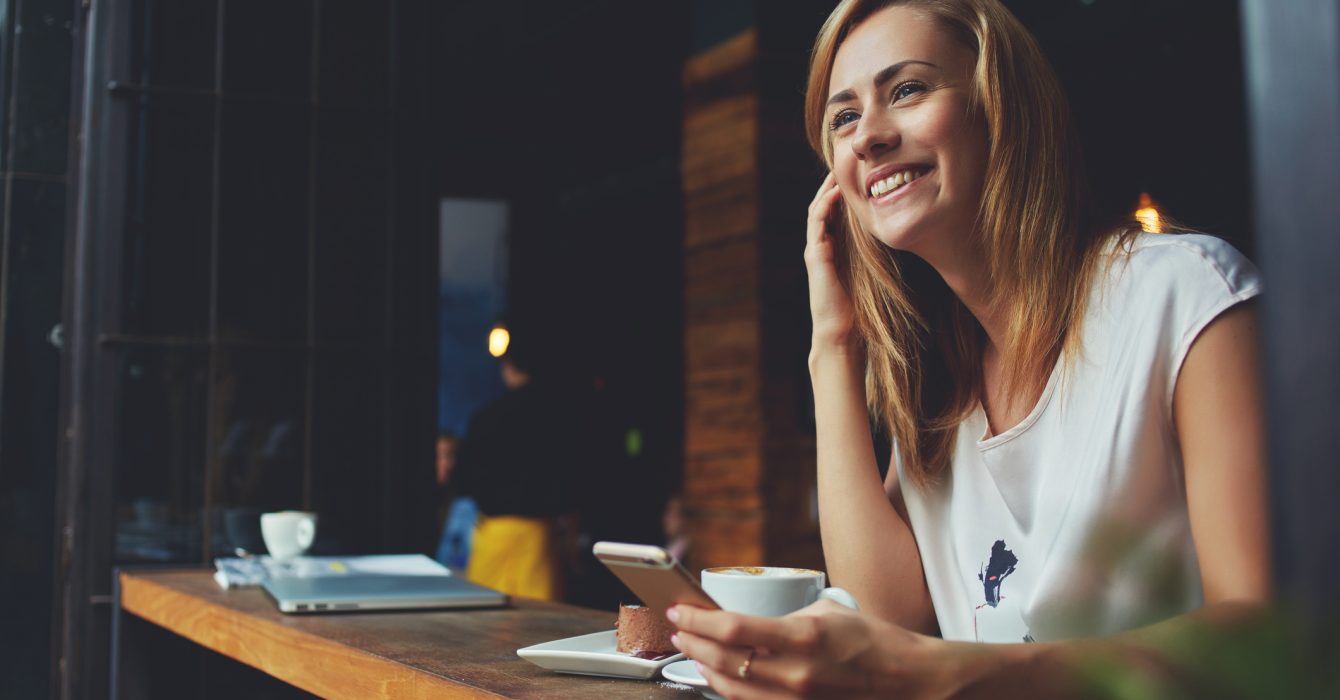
898	238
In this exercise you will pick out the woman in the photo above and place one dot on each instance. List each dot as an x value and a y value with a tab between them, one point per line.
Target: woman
1076	411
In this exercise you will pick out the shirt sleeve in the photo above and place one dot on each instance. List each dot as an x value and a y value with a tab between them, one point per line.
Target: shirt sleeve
1203	277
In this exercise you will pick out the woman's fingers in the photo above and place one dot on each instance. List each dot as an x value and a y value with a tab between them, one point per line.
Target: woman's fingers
824	187
714	654
735	688
731	629
822	208
727	662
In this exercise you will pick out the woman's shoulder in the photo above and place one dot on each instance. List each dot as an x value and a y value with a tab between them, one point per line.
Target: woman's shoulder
1162	262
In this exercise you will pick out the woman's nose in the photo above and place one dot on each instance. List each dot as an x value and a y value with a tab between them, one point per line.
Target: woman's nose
875	134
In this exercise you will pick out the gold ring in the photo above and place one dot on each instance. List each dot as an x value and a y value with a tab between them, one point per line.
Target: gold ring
743	670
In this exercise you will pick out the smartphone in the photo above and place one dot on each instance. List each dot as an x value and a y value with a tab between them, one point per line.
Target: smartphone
653	574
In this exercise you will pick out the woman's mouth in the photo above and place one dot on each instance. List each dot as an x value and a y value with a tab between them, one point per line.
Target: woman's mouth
896	181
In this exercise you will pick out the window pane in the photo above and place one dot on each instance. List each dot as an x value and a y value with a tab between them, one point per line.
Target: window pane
168	217
161	455
267	48
258	449
263	222
352	191
348	466
354	68
175	43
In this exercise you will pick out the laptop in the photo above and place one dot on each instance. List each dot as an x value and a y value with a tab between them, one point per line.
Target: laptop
339	584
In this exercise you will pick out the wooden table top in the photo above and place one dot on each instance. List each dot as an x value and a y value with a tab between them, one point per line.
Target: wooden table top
420	654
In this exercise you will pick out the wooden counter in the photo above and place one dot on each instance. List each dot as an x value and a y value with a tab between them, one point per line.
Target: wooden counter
448	654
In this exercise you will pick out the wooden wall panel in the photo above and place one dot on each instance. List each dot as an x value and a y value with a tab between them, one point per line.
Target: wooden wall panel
723	446
749	463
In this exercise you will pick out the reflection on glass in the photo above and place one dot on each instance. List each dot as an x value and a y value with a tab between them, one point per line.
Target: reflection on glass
257	455
160	484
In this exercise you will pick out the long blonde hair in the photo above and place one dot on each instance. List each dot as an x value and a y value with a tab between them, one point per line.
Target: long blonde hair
923	347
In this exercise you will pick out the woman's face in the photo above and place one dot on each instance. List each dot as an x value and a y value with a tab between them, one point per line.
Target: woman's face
908	154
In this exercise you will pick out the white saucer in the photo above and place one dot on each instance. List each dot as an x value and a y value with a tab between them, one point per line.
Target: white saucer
686	672
592	655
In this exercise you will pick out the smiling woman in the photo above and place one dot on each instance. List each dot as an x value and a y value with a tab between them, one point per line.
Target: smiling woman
909	128
1075	409
950	100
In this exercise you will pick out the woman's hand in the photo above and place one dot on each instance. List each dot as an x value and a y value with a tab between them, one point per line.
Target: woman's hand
823	651
830	307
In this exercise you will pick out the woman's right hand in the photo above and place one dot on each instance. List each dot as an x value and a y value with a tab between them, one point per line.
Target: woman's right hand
823	651
831	308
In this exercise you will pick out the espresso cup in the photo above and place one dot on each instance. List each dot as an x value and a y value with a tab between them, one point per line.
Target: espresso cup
288	533
769	591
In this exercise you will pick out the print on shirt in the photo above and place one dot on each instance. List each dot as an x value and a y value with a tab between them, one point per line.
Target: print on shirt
999	618
993	573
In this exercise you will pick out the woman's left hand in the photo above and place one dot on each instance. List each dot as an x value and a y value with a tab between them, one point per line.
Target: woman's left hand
823	651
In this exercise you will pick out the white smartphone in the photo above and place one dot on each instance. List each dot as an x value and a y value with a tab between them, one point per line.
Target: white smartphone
653	574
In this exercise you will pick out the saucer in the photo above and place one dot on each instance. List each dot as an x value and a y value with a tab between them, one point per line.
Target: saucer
592	655
686	672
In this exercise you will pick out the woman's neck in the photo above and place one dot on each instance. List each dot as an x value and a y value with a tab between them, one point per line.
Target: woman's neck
969	278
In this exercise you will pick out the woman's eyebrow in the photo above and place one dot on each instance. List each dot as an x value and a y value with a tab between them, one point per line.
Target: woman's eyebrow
881	78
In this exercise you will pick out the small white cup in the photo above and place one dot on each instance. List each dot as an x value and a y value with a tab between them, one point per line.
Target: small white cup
288	533
769	591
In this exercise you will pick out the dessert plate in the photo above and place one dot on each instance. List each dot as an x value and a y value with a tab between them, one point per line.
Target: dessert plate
686	672
592	655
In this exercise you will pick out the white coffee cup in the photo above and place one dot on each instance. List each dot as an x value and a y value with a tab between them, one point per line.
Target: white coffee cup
288	533
769	591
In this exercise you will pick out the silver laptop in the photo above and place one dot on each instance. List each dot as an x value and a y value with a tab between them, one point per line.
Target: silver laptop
354	587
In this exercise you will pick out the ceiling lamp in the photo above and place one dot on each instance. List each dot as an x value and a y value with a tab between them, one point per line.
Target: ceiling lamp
499	338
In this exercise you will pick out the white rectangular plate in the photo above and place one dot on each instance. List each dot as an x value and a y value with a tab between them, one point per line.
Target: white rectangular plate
592	655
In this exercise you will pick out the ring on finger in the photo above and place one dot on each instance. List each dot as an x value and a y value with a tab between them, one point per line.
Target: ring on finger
743	670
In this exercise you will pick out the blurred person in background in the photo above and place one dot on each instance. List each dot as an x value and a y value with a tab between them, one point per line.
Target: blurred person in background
458	514
514	462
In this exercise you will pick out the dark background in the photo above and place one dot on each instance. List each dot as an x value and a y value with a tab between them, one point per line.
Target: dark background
254	252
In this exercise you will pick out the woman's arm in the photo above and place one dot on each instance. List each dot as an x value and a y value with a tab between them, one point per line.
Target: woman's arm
827	651
1218	411
868	547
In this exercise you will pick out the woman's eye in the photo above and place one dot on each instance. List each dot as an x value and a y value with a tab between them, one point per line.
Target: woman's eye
907	90
842	119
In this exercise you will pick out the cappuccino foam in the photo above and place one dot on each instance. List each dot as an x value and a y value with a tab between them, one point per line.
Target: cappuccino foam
764	571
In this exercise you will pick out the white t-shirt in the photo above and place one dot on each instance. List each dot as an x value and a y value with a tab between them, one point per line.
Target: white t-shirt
1074	522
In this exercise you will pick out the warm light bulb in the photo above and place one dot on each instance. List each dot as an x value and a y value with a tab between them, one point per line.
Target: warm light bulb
498	340
1147	213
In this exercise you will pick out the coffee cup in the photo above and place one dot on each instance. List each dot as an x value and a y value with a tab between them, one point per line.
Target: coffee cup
288	533
769	591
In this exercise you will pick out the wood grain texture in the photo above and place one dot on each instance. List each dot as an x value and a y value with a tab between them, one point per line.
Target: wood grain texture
749	444
418	655
723	422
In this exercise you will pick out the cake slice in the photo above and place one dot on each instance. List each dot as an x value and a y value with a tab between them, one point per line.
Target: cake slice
643	633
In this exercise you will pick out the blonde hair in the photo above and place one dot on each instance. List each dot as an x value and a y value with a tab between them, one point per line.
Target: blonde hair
923	347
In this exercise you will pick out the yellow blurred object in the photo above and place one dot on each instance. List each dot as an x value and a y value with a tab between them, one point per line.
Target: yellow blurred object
1147	213
515	555
498	340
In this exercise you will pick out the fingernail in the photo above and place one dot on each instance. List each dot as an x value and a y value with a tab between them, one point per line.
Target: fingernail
672	614
699	667
674	641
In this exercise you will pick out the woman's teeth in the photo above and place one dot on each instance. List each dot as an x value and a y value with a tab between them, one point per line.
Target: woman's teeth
894	181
